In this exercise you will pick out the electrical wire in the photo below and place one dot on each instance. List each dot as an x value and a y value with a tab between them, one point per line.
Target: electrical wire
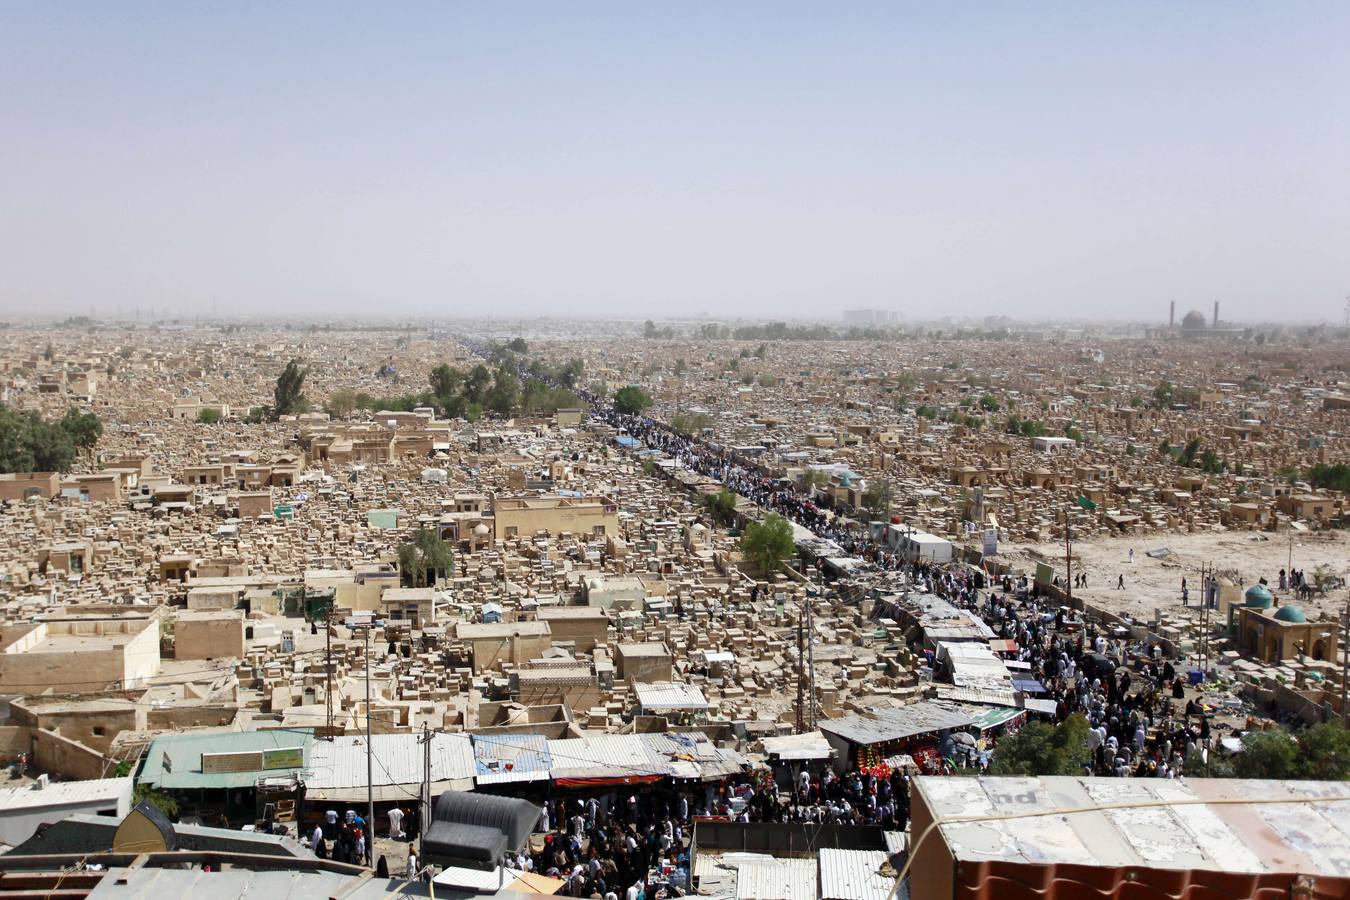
218	670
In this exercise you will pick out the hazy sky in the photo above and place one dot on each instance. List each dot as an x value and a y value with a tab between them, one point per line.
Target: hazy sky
1074	159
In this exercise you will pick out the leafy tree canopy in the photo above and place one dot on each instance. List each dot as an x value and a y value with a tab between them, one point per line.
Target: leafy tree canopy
631	400
768	543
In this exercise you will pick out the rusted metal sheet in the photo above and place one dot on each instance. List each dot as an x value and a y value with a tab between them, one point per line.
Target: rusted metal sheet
1026	881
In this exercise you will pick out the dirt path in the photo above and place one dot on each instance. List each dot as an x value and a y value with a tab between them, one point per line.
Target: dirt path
1152	583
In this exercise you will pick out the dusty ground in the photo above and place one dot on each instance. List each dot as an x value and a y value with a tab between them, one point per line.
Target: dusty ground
1156	583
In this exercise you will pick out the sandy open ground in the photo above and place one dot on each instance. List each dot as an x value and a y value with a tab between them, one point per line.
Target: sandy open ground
1156	583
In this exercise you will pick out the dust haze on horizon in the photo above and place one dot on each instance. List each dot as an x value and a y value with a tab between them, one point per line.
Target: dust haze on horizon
601	159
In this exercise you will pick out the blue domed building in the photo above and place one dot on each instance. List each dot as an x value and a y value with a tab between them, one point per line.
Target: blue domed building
1270	632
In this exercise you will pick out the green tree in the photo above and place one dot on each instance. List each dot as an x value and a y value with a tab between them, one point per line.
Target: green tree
1209	462
1044	749
518	345
1323	753
475	389
423	559
1163	394
288	394
161	800
208	416
768	543
721	506
1188	453
84	428
814	478
446	383
1287	474
988	403
1330	477
571	373
877	498
690	423
504	394
1266	754
631	400
341	403
29	443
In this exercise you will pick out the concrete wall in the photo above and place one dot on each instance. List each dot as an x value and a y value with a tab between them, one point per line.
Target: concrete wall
24	671
351	595
643	667
15	487
209	637
141	656
183	717
490	653
28	668
72	760
95	728
579	694
555	520
585	633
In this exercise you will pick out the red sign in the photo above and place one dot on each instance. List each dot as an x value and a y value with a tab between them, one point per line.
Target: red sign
926	757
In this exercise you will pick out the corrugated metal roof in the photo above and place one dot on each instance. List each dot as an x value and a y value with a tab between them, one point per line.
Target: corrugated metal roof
779	879
854	875
691	754
185	752
894	724
670	695
1003	697
607	755
502	758
811	745
465	878
757	875
156	883
1303	837
61	793
398	759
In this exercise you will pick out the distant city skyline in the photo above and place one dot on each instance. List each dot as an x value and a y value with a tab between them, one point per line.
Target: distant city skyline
438	160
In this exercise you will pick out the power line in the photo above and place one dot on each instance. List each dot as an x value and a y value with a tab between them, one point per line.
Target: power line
6	685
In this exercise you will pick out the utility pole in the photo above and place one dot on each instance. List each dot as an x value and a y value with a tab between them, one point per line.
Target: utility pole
370	762
1206	574
1345	665
1068	561
328	671
810	667
811	663
424	814
801	663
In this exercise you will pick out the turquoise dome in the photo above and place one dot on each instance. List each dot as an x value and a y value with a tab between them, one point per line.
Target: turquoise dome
1290	614
1259	597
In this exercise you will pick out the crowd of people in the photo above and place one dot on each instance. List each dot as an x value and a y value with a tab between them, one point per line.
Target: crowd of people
1129	694
627	845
